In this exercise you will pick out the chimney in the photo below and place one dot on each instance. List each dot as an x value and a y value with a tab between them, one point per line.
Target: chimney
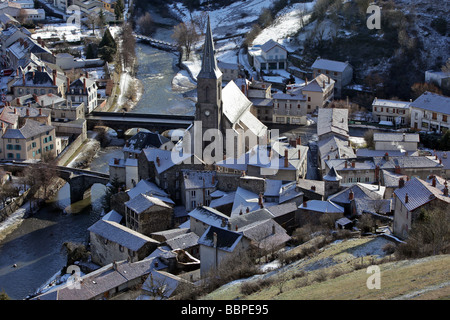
345	164
299	153
213	180
247	210
240	212
350	195
286	160
323	83
386	156
305	203
68	84
158	161
116	161
433	182
40	111
260	200
215	239
328	79
84	85
353	163
114	265
18	103
23	78
397	170
273	229
313	188
406	198
446	191
54	77
224	223
401	183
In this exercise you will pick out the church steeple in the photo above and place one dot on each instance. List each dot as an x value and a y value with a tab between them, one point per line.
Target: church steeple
209	63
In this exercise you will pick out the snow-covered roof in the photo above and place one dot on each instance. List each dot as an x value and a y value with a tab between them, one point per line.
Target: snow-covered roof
332	120
142	202
331	65
432	102
390	103
146	187
113	216
235	103
322	206
208	216
120	234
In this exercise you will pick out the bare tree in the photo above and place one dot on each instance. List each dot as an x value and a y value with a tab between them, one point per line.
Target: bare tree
185	36
200	20
146	25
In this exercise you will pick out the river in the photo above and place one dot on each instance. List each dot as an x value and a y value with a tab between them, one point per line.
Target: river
36	246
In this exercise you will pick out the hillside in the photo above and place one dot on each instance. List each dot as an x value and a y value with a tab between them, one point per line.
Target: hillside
413	37
339	271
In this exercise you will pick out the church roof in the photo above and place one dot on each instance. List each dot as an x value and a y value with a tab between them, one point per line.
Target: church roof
209	69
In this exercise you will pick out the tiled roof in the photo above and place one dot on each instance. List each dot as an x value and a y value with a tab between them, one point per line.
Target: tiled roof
396	137
360	191
405	162
226	239
419	193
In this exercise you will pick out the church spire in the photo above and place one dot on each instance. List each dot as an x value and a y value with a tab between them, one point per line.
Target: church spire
209	63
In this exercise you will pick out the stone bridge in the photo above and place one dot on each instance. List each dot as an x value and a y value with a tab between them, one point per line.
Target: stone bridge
79	180
121	122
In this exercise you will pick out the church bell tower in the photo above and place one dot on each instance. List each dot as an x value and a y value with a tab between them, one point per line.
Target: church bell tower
209	87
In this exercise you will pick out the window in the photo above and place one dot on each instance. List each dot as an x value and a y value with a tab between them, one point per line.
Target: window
193	193
434	116
193	204
444	117
10	155
17	147
9	147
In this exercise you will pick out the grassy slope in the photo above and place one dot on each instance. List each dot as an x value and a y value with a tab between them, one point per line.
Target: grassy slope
426	278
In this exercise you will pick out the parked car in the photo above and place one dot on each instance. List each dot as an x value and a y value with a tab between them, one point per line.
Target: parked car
6	72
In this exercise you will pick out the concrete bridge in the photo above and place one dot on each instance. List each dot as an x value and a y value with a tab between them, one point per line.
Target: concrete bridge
121	122
79	180
163	45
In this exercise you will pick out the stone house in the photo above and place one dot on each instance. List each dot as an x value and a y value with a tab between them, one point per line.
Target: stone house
107	282
217	245
340	72
38	83
396	112
332	122
147	214
230	71
27	142
318	92
164	168
83	90
313	210
197	187
410	198
203	217
111	241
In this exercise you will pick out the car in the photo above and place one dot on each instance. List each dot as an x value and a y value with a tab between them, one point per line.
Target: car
6	72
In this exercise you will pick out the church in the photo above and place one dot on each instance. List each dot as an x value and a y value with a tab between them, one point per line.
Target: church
224	125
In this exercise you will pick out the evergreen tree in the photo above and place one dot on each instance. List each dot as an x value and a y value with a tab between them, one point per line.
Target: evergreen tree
118	9
107	47
90	54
